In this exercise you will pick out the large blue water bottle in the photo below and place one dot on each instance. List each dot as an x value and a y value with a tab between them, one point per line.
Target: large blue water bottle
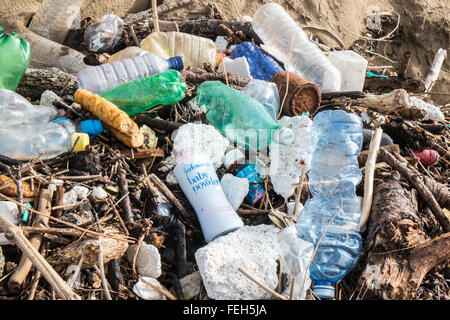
333	178
262	65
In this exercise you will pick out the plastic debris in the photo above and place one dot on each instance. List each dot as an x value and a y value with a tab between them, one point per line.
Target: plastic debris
235	189
9	211
148	261
105	34
146	292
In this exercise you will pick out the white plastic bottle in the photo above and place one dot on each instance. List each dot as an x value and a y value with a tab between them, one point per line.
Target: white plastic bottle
196	51
198	179
102	78
55	18
286	40
352	67
48	53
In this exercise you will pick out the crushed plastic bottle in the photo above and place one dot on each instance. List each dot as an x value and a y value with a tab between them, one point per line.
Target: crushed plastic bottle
239	117
266	93
15	55
295	258
262	65
287	42
102	78
196	51
105	34
48	53
333	213
140	95
55	18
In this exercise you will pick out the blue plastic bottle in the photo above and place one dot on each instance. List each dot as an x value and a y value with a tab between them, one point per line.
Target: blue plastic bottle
333	178
262	66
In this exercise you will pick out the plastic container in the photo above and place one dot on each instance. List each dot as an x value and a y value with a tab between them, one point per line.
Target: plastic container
47	53
238	67
9	211
296	255
15	55
196	51
102	78
266	93
105	34
262	65
427	156
140	95
129	52
333	178
198	180
55	18
286	40
236	164
352	68
239	117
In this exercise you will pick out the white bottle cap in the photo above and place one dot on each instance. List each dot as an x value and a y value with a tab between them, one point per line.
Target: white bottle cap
232	157
284	136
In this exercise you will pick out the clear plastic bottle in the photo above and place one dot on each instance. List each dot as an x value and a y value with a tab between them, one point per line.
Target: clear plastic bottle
288	43
295	258
196	51
266	93
105	34
333	178
239	117
48	53
102	78
55	18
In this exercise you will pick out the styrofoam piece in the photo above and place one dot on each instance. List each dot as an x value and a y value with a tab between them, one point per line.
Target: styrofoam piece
432	112
54	183
253	248
99	193
148	260
201	138
9	211
146	292
221	43
235	189
238	66
285	168
72	196
191	285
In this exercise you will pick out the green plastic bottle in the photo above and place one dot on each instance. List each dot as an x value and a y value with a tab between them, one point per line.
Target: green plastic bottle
239	117
15	54
140	95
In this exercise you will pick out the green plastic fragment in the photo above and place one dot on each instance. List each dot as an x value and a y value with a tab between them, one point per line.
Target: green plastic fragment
26	213
370	74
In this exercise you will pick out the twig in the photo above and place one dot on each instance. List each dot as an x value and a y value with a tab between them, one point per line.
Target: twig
155	15
291	293
275	294
76	271
102	273
161	290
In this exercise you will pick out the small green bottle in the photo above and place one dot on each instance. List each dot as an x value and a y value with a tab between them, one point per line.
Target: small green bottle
15	54
140	95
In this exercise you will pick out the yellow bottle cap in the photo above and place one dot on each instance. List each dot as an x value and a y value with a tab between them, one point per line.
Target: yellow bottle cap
82	143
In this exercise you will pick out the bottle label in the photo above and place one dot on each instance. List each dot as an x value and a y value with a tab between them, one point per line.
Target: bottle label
256	188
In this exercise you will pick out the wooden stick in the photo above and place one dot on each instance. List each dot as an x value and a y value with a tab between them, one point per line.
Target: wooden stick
435	69
272	292
24	267
102	273
15	235
143	153
369	175
155	15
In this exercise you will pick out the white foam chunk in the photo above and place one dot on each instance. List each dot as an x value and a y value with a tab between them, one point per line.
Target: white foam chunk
238	66
285	168
72	196
221	43
253	248
235	189
148	260
201	138
99	193
146	292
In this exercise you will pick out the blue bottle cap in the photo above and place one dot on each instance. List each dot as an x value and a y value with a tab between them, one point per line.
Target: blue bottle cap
60	119
324	289
176	63
92	127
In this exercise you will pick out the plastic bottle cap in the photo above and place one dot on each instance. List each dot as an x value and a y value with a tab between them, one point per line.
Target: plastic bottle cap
284	136
232	157
176	63
324	289
92	127
285	232
82	142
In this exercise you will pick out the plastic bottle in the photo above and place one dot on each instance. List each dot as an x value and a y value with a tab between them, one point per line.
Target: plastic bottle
105	34
262	65
352	68
333	177
15	56
296	255
47	53
196	51
266	93
55	18
140	95
129	52
49	139
236	164
198	180
239	117
287	42
102	78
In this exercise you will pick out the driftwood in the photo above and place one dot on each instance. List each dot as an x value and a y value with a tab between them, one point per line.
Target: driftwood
410	85
196	76
163	8
435	69
399	253
126	204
